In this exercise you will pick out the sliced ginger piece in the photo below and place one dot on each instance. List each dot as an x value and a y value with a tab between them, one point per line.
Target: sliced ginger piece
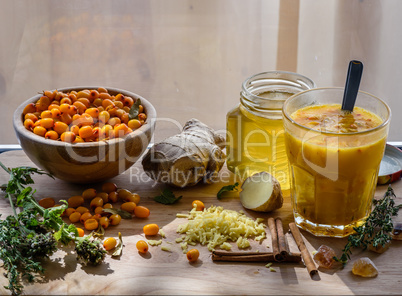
261	192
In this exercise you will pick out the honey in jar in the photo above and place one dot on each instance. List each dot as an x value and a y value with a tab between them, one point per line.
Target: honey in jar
255	134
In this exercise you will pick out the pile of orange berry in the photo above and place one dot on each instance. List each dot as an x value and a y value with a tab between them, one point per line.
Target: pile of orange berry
83	116
94	216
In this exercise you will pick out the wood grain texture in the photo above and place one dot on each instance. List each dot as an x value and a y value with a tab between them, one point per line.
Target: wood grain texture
170	273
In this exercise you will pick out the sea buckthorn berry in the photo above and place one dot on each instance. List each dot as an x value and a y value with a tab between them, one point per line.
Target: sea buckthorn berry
198	205
102	90
119	113
75	129
109	187
53	106
31	116
58	95
110	243
67	137
80	231
96	202
85	132
142	116
83	94
120	130
56	113
86	119
141	212
46	114
125	118
69	211
134	124
64	108
47	202
60	127
113	196
134	197
80	107
74	217
66	118
51	135
119	105
78	139
140	109
123	193
192	255
113	121
94	112
85	216
115	219
29	124
97	217
106	131
106	103
151	229
93	95
39	130
49	94
142	246
91	224
96	132
72	110
105	96
66	100
37	123
97	102
72	96
75	201
98	210
119	97
47	123
89	193
128	101
85	101
104	196
128	206
107	206
127	109
104	116
82	210
104	222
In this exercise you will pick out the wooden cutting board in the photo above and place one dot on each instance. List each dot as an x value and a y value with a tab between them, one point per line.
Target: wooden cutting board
161	272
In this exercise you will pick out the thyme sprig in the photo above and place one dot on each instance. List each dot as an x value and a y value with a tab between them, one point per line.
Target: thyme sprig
34	233
377	228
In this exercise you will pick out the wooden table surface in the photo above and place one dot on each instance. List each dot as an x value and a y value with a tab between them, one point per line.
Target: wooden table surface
161	272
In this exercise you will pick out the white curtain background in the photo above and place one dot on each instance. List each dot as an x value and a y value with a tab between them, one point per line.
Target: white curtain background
189	57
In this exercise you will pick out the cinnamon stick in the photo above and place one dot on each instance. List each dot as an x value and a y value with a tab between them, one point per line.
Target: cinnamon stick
274	236
308	261
252	257
282	242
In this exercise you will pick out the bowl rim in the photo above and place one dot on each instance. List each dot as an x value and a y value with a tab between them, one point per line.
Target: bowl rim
19	127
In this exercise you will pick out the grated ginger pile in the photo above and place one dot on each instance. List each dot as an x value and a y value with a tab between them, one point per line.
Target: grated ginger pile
215	226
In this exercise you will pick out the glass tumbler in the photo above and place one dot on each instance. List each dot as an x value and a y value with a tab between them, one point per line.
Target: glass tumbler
333	175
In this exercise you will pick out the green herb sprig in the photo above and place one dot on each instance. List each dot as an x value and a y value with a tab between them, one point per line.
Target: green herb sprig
377	228
167	197
227	188
34	233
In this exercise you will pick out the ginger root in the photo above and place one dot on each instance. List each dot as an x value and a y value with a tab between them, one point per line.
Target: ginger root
261	192
186	158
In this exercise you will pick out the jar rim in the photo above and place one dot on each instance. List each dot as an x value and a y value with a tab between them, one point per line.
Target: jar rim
298	81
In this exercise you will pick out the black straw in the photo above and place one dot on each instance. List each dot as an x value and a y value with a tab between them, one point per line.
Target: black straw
353	78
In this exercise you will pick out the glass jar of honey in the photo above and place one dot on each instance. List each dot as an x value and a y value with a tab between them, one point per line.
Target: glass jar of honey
255	133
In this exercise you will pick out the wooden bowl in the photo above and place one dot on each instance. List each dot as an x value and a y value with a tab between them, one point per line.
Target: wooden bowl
88	162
